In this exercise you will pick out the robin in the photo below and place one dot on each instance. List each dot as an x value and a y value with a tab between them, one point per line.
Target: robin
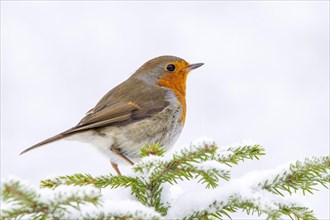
148	108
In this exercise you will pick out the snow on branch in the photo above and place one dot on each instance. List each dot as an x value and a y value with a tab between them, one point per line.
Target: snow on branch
239	152
23	201
254	193
194	162
301	175
155	188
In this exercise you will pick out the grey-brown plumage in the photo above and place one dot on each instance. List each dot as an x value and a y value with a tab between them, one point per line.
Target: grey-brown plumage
119	106
139	111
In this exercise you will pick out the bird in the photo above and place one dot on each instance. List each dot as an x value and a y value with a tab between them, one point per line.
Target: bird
148	108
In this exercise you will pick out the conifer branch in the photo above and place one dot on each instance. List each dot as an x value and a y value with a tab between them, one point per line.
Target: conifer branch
272	208
258	192
134	216
181	165
138	188
274	211
115	210
86	179
25	202
301	175
264	197
235	154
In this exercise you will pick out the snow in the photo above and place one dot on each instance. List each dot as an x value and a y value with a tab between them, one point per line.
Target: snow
184	198
236	145
114	201
146	162
63	192
6	206
192	147
245	188
171	193
12	179
225	152
223	155
211	165
147	165
115	207
202	141
242	189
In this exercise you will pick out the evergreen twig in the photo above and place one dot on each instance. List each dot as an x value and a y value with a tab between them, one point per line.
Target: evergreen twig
204	162
301	175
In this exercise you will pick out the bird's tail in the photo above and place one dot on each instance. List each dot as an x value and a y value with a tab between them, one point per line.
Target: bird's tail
49	140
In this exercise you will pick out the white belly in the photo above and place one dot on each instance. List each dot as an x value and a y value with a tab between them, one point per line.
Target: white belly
130	138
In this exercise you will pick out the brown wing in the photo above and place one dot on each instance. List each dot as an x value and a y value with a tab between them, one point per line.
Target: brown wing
119	113
118	108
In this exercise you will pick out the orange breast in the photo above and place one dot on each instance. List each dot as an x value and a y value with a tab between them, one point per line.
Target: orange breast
177	83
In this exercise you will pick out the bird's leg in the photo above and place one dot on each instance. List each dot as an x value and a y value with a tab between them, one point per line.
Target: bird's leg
115	167
116	151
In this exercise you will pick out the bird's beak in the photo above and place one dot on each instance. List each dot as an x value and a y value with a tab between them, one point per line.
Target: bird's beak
194	66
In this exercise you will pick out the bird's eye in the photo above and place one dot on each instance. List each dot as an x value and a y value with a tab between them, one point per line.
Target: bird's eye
170	67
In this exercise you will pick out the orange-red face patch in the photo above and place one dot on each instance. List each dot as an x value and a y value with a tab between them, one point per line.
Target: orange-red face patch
176	81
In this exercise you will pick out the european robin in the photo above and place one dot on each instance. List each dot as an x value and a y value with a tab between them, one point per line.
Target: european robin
148	108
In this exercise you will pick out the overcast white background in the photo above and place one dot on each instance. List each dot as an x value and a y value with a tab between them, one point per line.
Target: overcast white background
265	78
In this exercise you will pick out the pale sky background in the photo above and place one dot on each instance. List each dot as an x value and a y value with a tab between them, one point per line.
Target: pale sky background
265	78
